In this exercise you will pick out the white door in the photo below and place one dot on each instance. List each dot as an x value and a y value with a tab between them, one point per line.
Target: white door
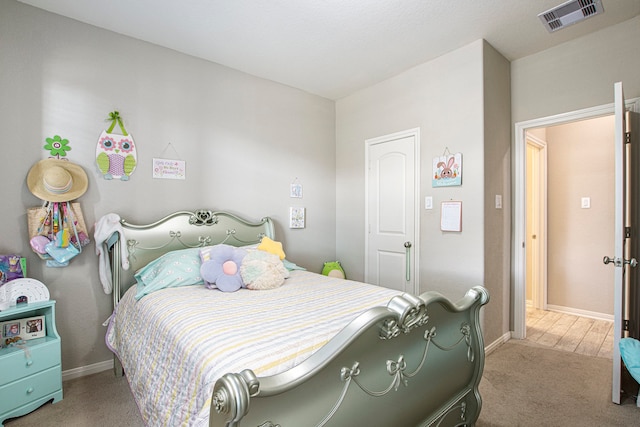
391	211
621	258
535	223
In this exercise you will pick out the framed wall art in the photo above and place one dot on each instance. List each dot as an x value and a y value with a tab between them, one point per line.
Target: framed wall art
447	170
296	217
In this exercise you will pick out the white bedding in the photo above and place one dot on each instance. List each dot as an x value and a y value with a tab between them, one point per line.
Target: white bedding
175	343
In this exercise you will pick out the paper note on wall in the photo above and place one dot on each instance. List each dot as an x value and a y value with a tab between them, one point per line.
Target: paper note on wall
451	216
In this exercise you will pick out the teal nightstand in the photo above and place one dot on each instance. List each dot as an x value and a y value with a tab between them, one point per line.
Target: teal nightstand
30	374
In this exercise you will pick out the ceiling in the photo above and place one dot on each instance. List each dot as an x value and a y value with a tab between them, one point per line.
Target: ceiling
333	48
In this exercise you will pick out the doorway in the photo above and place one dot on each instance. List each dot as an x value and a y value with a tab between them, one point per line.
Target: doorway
524	130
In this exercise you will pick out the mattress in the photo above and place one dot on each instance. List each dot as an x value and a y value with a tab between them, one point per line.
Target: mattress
175	343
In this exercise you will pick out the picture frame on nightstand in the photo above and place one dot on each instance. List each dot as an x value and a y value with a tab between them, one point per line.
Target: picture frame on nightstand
27	328
31	361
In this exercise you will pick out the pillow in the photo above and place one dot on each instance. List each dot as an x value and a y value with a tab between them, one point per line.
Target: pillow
262	270
271	246
291	266
221	267
173	269
630	353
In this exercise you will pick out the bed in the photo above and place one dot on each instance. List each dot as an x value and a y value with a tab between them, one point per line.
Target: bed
315	351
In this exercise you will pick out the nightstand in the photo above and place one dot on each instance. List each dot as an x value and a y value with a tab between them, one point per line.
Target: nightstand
30	374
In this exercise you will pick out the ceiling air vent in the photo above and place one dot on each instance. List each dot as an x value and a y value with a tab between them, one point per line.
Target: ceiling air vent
570	13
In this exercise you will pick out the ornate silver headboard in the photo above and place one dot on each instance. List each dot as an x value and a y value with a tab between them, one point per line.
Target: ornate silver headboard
180	230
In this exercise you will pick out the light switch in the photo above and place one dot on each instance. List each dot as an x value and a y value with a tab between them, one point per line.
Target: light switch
428	202
498	201
585	203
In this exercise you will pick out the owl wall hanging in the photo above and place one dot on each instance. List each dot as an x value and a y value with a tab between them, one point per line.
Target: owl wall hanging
116	153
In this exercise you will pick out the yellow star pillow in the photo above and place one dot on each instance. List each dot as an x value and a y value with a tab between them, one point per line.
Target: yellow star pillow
271	246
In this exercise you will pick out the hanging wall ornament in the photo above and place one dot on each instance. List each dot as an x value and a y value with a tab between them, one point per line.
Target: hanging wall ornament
57	146
116	153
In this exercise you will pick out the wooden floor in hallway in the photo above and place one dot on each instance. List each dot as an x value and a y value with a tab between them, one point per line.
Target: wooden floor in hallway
570	333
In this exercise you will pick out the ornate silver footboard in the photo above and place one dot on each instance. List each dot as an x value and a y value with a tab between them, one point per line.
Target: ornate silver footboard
416	362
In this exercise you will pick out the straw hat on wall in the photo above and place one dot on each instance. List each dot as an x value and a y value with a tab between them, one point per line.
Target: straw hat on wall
56	180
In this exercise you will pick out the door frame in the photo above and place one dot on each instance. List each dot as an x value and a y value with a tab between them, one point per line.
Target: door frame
415	133
539	293
519	206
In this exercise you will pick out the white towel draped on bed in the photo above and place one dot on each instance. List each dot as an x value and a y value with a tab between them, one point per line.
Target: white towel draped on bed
104	228
175	343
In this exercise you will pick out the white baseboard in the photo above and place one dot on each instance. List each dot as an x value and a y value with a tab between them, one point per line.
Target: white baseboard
87	370
497	343
578	312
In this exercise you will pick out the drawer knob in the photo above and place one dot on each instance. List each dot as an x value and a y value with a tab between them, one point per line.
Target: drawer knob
29	362
30	390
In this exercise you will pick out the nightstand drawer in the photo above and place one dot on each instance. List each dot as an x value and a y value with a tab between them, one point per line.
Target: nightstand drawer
17	364
26	390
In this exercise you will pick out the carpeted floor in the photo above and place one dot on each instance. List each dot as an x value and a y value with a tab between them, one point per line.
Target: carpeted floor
96	400
524	384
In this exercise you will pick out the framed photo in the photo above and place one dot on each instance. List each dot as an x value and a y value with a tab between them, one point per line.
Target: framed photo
23	329
296	191
296	217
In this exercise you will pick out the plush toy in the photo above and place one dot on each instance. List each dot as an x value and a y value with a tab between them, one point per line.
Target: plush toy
262	270
221	267
268	245
333	269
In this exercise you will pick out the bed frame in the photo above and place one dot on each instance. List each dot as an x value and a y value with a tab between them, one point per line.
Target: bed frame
416	362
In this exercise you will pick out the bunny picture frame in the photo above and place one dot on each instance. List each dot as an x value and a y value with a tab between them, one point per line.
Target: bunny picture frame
447	170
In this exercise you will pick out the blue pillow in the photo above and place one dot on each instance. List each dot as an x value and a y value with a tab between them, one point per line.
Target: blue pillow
630	352
171	270
291	266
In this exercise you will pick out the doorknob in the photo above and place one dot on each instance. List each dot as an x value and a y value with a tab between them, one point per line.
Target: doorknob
618	262
407	275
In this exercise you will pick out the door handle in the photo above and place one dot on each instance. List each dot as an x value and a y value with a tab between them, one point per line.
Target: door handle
407	248
618	262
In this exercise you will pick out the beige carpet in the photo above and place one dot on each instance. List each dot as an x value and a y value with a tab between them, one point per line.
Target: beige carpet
95	400
526	384
523	385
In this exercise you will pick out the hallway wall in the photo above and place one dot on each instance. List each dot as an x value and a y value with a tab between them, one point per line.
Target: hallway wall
581	164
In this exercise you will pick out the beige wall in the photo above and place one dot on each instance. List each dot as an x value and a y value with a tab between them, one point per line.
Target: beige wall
446	98
580	164
460	102
497	182
573	76
244	140
577	74
436	97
